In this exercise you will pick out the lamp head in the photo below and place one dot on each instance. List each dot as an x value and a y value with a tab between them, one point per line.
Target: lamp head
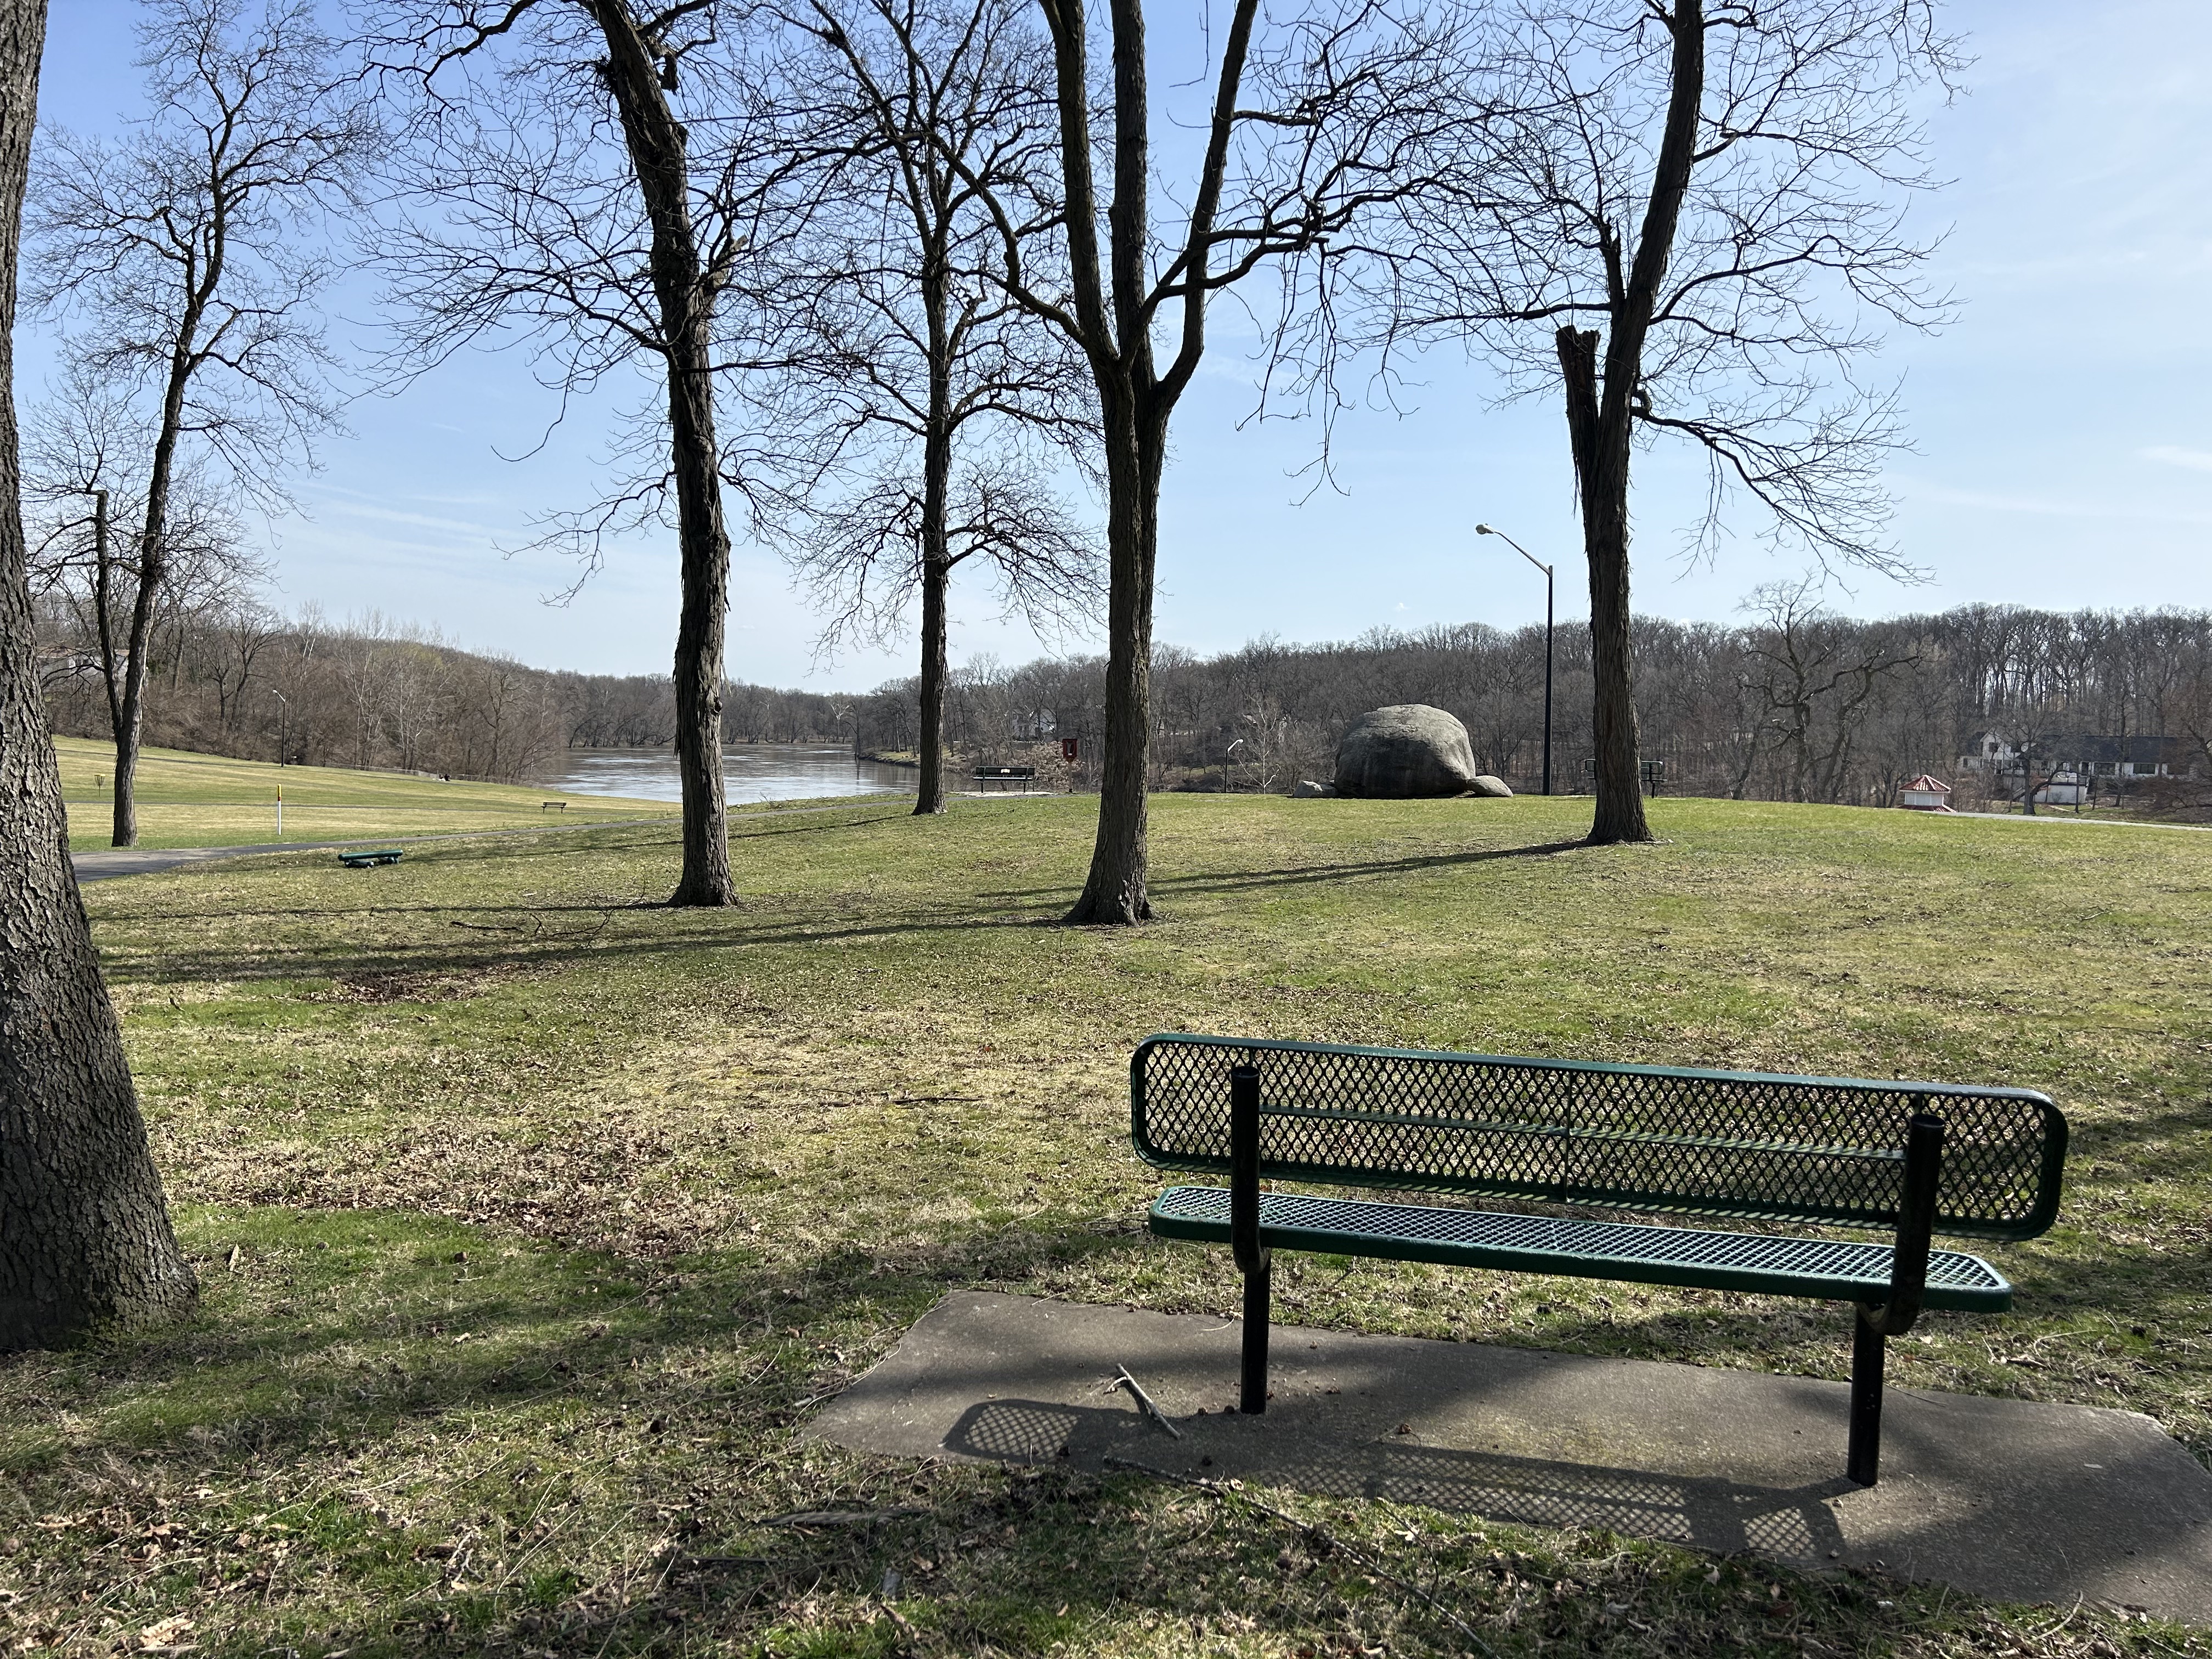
1483	530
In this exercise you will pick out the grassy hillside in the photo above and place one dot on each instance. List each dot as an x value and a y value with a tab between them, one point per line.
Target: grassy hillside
210	800
534	1218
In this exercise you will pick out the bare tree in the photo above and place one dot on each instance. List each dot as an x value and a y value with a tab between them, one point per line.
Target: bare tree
84	1230
1815	674
175	257
84	468
1690	221
1319	118
865	556
244	632
917	114
596	201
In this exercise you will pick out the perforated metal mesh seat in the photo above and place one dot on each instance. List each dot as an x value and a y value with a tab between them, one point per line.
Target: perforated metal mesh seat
1824	1269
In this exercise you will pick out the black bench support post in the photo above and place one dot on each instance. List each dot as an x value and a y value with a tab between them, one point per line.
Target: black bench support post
1244	1232
1869	1350
1908	1280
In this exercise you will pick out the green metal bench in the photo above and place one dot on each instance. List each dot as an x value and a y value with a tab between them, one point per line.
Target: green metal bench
366	860
1908	1158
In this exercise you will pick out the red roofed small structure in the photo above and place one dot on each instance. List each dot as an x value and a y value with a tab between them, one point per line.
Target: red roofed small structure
1925	794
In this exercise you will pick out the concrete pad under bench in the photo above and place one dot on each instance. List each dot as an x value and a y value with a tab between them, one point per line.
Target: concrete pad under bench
2006	1498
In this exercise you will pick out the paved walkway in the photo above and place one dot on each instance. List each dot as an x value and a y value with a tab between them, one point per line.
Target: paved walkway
2055	815
2006	1498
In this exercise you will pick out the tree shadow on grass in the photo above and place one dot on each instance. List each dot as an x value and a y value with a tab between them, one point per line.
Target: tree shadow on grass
1295	875
1306	874
249	960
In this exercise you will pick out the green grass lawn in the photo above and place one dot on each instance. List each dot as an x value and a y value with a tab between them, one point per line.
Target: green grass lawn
534	1218
211	800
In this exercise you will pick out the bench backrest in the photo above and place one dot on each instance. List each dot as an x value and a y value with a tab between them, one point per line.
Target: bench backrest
1647	1137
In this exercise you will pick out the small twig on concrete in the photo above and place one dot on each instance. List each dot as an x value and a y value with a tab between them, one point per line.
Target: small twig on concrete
1145	1402
1328	1540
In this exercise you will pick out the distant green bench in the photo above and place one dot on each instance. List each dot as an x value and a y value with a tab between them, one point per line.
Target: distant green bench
1912	1158
364	861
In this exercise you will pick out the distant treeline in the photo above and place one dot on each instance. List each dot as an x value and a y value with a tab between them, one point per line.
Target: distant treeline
238	679
1794	704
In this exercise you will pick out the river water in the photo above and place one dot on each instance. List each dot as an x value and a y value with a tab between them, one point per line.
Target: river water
750	772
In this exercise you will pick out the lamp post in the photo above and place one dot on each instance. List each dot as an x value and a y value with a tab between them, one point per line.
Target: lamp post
283	720
1485	530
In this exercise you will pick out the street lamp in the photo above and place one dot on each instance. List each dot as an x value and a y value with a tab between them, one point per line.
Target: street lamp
1485	530
283	720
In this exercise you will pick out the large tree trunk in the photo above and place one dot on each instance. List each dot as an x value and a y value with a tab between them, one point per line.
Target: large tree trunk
655	140
936	579
936	547
84	1232
1115	893
1602	452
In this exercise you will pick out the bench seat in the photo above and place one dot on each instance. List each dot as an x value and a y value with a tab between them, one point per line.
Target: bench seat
1823	1269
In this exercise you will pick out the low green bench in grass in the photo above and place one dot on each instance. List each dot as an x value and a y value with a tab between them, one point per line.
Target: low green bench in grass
366	860
1910	1159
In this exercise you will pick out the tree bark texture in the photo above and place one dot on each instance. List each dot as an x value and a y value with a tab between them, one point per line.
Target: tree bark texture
84	1230
1602	455
1115	891
936	580
936	541
685	298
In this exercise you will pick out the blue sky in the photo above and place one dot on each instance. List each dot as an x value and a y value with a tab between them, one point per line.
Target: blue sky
2064	438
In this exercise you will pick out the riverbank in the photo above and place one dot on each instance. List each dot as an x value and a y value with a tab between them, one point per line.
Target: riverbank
537	1219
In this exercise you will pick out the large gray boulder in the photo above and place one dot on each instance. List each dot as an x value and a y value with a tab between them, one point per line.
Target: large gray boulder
1486	784
1404	751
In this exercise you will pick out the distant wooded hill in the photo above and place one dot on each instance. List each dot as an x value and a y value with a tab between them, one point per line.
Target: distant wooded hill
1794	704
242	680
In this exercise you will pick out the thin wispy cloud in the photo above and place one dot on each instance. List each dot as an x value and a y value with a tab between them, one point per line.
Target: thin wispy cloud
2196	460
2046	506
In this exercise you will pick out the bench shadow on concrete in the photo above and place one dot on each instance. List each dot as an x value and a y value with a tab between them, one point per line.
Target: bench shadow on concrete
1725	1517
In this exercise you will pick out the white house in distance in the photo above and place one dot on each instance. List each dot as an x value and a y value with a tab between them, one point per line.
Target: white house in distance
1925	794
2071	767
